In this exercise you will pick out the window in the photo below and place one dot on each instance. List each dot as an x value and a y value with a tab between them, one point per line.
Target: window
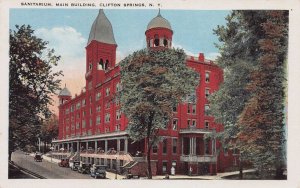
106	129
91	99
77	125
189	108
98	120
175	124
174	108
188	123
207	77
206	110
118	114
164	166
118	87
118	127
91	122
206	92
206	125
156	41
165	146
174	145
117	101
194	108
90	85
98	108
83	123
165	41
83	102
83	113
107	105
107	91
78	105
194	123
90	66
100	64
154	148
107	118
207	147
98	95
91	110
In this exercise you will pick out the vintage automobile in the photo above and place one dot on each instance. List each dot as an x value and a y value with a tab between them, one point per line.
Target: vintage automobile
64	162
98	171
38	157
84	168
74	165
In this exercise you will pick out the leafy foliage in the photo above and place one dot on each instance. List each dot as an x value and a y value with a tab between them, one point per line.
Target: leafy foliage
31	85
154	81
250	102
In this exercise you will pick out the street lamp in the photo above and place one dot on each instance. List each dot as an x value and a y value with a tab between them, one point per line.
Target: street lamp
51	152
116	169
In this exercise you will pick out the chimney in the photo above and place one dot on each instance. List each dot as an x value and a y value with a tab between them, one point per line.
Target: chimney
201	57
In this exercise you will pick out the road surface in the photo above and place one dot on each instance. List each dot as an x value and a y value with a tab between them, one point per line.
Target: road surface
45	168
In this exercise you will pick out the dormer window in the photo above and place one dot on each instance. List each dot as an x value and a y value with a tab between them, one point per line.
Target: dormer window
156	41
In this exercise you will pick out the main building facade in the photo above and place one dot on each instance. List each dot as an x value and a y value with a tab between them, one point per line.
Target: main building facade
92	127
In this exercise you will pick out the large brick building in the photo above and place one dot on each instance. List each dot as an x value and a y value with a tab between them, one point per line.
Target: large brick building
92	127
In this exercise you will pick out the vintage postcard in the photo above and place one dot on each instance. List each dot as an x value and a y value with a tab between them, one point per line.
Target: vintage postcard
140	93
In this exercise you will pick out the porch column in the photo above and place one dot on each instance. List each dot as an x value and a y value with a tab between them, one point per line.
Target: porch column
126	145
118	145
191	148
87	145
105	146
68	146
182	142
78	149
96	146
72	146
195	146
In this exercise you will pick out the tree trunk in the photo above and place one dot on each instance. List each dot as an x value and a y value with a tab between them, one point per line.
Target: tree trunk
148	158
241	169
9	155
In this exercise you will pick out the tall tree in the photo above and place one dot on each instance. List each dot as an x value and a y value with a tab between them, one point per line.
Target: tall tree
49	129
240	58
154	81
32	83
262	120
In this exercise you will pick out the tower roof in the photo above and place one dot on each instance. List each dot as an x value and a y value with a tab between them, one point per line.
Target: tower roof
64	92
102	30
159	22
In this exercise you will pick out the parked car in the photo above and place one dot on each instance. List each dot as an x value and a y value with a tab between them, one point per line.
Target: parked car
74	165
98	171
38	157
84	168
64	162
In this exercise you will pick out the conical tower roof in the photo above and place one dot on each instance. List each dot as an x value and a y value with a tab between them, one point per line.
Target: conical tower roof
102	30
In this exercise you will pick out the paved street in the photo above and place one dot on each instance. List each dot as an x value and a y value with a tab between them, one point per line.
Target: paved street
45	168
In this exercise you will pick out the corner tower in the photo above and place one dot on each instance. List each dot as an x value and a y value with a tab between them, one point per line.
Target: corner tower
100	50
159	33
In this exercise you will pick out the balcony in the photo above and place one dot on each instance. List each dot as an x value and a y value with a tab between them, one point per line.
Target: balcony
198	158
195	130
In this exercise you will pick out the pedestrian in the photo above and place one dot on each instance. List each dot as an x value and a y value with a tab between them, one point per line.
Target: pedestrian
191	170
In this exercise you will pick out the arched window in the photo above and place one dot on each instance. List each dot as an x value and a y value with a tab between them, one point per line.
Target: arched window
165	42
106	64
156	41
100	64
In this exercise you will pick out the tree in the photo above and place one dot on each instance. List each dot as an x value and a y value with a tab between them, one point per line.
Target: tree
240	58
32	83
153	81
49	130
262	120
